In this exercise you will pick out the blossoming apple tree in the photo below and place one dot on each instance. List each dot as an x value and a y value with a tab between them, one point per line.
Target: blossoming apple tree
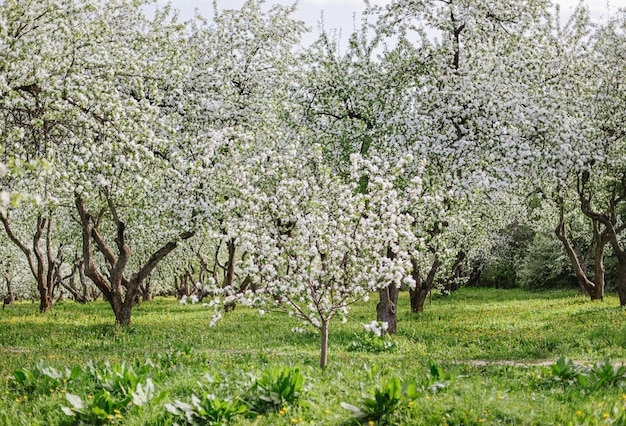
85	87
442	96
314	243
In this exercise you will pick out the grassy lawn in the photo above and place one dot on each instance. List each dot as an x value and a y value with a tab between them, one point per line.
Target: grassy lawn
173	347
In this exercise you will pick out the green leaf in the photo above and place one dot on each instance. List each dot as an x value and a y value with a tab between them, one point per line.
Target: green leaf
356	412
19	376
75	401
143	394
394	388
411	391
68	411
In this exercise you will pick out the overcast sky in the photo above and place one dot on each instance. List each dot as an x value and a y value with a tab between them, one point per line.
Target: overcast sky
339	14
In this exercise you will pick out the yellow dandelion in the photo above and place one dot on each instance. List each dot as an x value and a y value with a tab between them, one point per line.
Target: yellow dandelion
579	413
606	415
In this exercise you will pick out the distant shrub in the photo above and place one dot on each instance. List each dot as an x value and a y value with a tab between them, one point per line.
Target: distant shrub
544	265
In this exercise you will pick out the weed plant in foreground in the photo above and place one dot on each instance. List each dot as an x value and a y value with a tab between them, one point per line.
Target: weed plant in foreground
471	358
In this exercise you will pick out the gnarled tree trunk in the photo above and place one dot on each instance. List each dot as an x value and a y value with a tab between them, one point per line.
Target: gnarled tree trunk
42	265
9	299
387	307
621	271
594	288
612	227
386	310
422	287
120	292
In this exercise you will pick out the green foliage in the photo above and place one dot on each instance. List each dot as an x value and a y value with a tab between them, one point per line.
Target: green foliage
118	389
479	335
439	379
382	406
276	388
565	371
544	265
368	341
394	396
120	379
207	410
107	407
40	379
578	377
608	374
499	274
102	408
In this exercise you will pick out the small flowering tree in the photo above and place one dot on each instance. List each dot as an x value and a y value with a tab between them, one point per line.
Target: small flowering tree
315	244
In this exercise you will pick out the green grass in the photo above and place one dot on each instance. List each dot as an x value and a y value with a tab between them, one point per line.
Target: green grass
456	331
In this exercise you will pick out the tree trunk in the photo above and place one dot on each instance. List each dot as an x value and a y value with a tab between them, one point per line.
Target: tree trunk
621	278
146	292
595	288
45	296
41	264
229	276
422	287
83	282
453	283
386	310
324	344
418	299
475	276
10	298
598	266
123	314
121	293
